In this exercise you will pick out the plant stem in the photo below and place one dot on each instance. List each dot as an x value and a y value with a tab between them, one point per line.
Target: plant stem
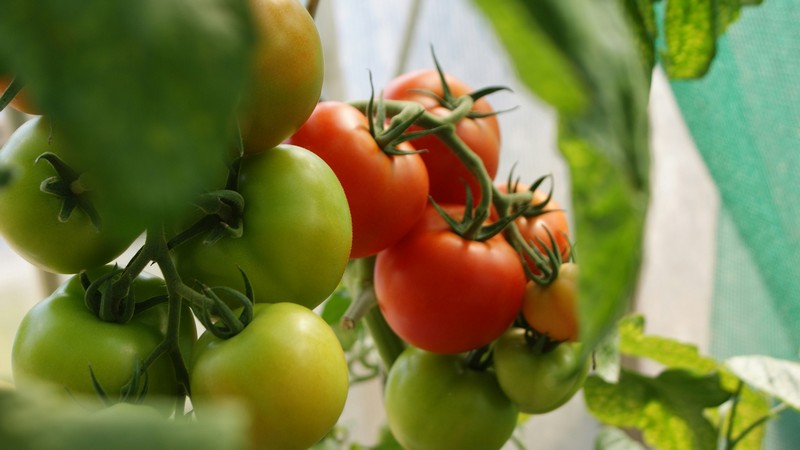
360	282
731	444
732	415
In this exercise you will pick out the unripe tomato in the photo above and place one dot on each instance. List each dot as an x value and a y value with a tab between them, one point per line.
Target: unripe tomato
286	368
60	339
29	218
538	382
296	232
286	76
436	402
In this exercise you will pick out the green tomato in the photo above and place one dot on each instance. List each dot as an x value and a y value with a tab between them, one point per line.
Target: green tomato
538	382
59	339
297	232
434	401
29	217
286	368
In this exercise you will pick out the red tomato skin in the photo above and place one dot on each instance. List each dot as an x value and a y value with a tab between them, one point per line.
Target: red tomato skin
444	294
446	172
387	194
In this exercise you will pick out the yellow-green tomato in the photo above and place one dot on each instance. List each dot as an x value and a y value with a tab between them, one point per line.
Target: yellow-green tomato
60	339
538	382
286	75
435	402
286	368
297	232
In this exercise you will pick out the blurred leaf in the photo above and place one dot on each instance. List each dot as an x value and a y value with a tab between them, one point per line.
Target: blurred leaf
607	358
605	143
610	438
147	89
642	20
37	422
778	378
668	409
691	37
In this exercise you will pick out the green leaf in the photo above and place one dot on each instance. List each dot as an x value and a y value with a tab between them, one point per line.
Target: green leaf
669	352
610	438
778	378
605	143
607	358
669	409
147	90
690	29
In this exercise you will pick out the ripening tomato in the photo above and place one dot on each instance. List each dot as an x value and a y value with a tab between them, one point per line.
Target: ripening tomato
286	77
445	294
29	218
482	135
538	382
60	339
387	193
552	309
436	402
286	368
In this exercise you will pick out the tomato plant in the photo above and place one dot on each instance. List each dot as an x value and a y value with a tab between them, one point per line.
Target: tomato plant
32	221
296	237
60	340
482	135
538	381
436	401
288	370
286	75
387	192
552	309
447	294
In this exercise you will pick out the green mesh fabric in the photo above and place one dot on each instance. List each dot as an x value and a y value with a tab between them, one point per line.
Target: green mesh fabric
745	119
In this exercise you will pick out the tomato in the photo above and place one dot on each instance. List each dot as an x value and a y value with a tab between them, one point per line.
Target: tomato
286	76
552	218
22	101
59	339
435	402
445	294
446	172
286	368
30	222
386	193
297	232
551	309
538	382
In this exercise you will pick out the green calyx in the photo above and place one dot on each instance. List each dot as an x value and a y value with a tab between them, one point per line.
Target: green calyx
69	186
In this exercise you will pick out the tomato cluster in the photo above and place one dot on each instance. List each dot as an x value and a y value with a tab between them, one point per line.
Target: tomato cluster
475	278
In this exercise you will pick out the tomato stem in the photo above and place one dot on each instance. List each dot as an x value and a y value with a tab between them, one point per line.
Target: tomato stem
10	92
359	281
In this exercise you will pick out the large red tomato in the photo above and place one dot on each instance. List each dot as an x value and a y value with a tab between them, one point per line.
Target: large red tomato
387	193
446	172
445	294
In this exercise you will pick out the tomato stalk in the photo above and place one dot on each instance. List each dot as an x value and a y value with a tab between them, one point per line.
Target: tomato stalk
10	92
359	281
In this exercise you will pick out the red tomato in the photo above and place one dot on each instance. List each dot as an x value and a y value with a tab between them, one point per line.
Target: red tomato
446	172
535	228
445	294
387	194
